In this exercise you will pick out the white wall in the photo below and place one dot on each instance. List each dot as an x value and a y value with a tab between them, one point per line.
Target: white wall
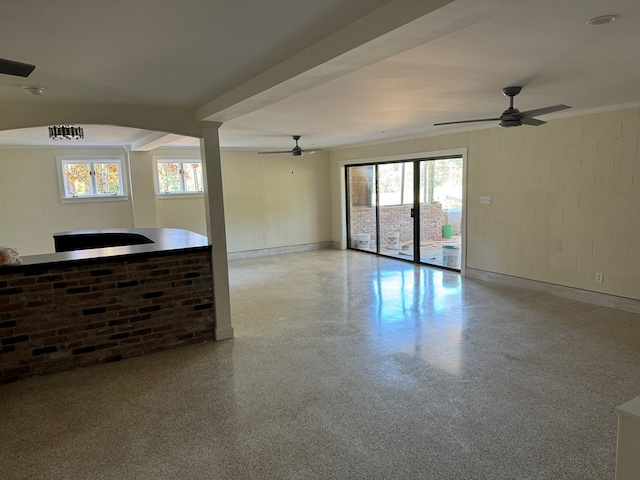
275	200
30	207
179	212
271	201
144	204
565	198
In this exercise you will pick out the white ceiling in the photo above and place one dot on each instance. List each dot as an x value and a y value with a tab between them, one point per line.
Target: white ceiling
337	72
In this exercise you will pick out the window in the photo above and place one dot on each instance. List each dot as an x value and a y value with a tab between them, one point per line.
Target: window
93	178
175	176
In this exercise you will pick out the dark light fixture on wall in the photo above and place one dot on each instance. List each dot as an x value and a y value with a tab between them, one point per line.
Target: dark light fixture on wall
66	132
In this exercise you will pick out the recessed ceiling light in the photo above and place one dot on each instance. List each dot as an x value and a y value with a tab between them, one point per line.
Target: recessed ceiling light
602	20
29	90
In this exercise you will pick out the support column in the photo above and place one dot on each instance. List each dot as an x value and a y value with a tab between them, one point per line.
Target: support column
216	233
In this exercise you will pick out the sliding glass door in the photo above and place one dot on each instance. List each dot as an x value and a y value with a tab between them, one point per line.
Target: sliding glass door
410	209
395	200
440	205
362	207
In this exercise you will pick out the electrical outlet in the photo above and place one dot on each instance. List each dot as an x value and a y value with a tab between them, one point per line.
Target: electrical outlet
485	200
599	277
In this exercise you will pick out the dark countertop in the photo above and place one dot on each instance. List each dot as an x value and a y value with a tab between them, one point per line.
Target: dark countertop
164	240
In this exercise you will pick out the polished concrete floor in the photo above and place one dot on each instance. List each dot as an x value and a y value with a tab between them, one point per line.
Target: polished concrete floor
345	366
431	251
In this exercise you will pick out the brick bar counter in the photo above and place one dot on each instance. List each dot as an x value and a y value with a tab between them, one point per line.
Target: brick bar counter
65	310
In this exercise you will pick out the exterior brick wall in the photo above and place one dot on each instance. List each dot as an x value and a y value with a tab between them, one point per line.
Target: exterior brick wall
56	317
397	218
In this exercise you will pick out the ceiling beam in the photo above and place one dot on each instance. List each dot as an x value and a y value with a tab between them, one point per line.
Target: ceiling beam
155	140
246	97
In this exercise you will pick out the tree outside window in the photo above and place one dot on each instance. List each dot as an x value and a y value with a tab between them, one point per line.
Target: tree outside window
92	178
179	176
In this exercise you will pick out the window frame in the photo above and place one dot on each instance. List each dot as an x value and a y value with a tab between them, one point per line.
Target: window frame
160	194
91	160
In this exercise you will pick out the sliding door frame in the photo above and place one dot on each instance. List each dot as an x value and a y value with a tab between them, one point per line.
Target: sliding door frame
415	159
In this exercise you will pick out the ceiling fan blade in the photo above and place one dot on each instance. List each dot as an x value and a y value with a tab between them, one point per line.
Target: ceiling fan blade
532	121
544	110
468	121
295	151
19	69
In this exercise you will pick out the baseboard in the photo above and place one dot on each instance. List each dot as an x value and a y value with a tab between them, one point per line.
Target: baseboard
280	250
587	296
223	333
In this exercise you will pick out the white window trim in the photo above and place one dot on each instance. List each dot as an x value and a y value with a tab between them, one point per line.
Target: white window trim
62	159
160	195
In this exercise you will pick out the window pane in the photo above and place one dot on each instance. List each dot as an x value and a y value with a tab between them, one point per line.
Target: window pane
396	187
192	176
396	215
169	177
362	207
107	178
77	179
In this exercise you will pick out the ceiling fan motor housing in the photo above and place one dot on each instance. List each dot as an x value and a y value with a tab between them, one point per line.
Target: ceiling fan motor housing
296	151
512	122
511	117
511	91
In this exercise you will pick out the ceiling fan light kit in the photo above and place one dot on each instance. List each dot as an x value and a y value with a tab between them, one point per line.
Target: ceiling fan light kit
512	117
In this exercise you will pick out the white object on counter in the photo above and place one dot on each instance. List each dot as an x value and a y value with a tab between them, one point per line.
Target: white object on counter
9	256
